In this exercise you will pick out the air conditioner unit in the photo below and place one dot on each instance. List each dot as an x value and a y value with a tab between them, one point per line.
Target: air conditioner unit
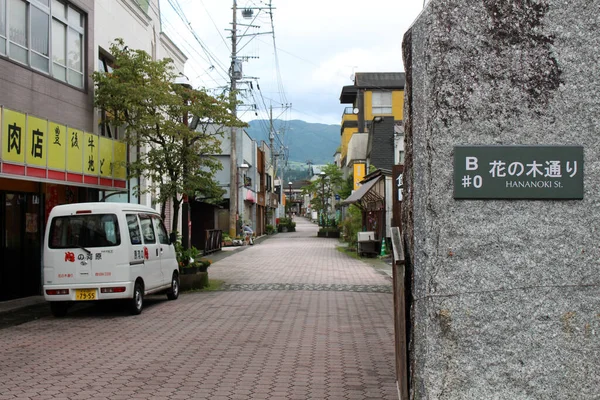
366	236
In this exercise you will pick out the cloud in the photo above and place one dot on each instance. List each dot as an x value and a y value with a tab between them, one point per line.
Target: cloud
319	45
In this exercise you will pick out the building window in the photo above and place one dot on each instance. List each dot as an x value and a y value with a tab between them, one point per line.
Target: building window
33	32
17	28
67	48
106	129
3	27
143	5
381	103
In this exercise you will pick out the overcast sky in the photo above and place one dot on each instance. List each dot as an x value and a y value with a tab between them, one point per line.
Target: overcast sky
319	45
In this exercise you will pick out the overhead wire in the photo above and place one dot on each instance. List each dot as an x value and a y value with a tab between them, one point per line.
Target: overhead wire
214	24
185	44
216	67
214	61
276	57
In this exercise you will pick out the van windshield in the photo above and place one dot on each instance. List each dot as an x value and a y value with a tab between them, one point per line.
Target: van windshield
91	230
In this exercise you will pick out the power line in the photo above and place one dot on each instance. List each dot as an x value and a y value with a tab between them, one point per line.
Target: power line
215	25
210	57
185	44
278	70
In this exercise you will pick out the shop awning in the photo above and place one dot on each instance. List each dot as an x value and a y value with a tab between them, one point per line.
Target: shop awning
365	193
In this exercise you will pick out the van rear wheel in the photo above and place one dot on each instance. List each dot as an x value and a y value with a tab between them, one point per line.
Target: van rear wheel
173	293
136	303
59	308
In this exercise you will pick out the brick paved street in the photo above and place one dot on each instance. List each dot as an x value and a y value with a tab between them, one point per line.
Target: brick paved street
297	319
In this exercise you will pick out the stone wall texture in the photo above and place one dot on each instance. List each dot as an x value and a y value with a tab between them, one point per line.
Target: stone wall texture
505	293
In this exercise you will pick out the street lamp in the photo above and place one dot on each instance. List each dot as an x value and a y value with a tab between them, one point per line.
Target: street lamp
290	205
323	174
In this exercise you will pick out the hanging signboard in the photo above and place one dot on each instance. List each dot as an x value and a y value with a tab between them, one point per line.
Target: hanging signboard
518	172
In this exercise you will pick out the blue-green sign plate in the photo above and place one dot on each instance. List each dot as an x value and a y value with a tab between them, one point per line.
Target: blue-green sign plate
518	172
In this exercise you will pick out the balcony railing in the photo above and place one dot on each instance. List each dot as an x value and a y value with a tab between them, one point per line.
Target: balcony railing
348	117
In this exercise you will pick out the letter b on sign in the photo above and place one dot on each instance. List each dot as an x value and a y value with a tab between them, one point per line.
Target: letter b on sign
471	163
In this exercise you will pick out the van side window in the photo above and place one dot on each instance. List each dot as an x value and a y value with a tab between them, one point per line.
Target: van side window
134	229
163	238
110	230
147	229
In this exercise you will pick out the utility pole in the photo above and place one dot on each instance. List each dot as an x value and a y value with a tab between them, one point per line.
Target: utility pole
274	159
233	176
235	74
271	138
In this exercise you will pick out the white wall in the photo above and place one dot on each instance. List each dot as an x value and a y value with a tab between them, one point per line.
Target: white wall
124	19
140	30
389	206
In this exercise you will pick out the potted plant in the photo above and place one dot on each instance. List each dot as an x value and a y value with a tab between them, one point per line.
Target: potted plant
286	225
195	274
331	229
226	240
186	258
203	264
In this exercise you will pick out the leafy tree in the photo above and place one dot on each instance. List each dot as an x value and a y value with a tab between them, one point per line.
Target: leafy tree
141	95
347	187
324	188
351	225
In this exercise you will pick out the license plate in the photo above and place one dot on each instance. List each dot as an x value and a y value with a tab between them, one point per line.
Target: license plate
85	294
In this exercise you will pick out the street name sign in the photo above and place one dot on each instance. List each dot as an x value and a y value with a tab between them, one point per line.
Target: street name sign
518	172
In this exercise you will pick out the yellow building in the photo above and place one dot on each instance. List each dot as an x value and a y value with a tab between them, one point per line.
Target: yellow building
373	138
375	97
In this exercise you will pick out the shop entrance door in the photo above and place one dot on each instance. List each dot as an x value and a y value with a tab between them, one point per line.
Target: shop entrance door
20	249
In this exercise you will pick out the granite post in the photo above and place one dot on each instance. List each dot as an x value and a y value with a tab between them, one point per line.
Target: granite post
505	294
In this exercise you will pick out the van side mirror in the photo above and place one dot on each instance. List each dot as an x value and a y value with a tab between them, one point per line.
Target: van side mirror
173	237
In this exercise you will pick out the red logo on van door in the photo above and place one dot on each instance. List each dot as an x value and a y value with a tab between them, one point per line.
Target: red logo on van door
146	254
69	256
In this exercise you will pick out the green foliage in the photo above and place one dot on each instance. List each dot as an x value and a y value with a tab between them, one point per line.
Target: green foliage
324	188
213	285
191	257
185	256
347	187
351	252
288	223
351	225
330	223
270	229
141	97
329	229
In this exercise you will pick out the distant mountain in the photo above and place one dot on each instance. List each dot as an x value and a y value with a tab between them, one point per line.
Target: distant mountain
304	140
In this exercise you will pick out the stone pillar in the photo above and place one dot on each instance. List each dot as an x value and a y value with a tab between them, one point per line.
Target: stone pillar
505	292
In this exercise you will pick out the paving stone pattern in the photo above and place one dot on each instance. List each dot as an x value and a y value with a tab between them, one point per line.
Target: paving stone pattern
306	286
296	320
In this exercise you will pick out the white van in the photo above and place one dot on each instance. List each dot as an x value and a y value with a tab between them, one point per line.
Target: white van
104	251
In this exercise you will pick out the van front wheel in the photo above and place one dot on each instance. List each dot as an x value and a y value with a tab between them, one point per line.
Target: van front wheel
59	308
173	292
136	304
